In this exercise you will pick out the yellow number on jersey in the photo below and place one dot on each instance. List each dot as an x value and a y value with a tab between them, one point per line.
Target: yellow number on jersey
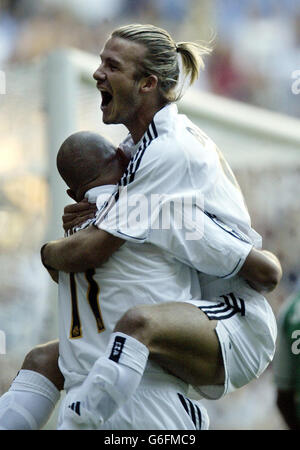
93	300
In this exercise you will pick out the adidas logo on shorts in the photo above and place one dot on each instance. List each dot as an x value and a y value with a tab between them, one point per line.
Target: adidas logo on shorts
75	407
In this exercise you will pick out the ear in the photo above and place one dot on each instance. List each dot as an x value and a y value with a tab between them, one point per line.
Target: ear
148	84
71	194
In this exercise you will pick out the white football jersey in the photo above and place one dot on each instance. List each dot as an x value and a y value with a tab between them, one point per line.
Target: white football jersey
176	160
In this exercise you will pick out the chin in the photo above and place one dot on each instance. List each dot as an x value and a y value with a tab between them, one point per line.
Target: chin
105	120
111	120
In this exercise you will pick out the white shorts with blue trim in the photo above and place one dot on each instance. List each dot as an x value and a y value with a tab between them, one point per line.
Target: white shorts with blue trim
246	330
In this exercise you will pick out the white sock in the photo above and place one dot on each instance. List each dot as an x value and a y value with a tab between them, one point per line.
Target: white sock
29	402
113	379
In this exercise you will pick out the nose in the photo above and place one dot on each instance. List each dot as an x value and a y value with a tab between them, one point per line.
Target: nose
99	75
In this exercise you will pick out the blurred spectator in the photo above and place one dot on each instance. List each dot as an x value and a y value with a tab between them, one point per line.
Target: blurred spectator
226	78
257	51
90	11
140	9
8	29
287	363
263	40
166	11
227	14
173	10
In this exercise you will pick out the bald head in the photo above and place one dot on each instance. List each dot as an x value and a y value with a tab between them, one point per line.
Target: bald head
86	160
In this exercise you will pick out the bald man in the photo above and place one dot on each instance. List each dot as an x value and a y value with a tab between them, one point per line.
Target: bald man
86	160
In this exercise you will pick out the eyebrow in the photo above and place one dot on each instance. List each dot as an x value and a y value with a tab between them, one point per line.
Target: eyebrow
111	60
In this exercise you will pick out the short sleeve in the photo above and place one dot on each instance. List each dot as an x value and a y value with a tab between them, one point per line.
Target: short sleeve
180	227
196	240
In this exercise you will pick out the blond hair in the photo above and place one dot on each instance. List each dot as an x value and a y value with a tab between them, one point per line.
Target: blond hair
161	58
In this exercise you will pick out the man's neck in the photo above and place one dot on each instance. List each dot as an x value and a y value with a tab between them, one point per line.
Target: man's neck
142	122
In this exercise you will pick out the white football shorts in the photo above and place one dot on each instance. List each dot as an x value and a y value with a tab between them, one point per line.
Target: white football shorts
160	403
246	330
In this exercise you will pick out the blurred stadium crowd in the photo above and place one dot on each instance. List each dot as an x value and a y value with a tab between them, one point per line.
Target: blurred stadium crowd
257	42
256	55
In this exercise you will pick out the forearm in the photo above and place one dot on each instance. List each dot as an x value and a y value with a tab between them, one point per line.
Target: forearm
65	255
83	250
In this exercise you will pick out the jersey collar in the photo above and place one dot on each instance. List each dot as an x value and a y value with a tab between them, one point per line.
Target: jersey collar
159	125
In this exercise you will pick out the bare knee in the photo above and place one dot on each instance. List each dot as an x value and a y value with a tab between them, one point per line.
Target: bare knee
44	360
136	322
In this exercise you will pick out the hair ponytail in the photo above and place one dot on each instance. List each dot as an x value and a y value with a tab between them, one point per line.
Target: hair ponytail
192	58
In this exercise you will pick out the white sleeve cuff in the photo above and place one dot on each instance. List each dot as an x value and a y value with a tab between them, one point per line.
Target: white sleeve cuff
132	235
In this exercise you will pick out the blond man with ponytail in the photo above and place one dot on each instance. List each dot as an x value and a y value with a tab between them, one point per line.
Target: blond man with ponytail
148	58
218	344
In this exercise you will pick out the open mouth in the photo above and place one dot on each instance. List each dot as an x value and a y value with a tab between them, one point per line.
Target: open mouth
106	98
